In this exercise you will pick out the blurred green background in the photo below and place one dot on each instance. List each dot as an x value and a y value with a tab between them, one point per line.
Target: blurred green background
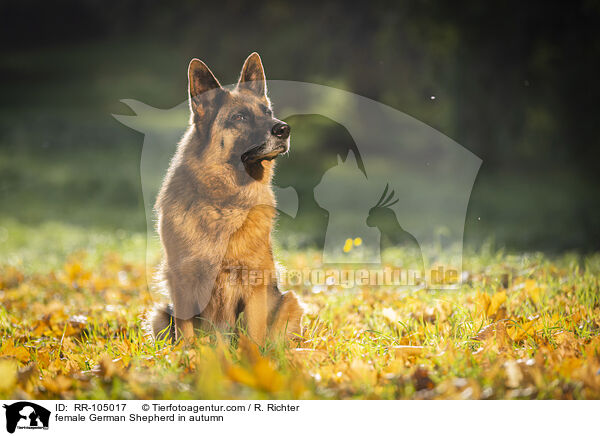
516	83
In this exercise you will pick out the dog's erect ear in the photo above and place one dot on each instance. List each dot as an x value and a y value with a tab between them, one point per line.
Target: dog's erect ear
253	75
201	81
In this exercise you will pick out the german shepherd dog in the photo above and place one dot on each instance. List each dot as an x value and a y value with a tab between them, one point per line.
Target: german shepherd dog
215	213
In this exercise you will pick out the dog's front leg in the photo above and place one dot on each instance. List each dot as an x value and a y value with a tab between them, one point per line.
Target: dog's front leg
256	315
184	328
182	284
286	317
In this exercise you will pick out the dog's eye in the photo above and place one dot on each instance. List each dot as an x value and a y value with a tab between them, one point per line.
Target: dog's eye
239	117
266	110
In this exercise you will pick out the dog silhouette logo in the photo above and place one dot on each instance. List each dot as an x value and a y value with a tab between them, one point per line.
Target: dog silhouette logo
358	170
26	415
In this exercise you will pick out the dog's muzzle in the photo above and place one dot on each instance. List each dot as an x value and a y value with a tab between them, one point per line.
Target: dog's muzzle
274	146
263	152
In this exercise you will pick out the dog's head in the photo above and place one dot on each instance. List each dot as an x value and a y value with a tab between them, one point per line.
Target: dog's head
237	126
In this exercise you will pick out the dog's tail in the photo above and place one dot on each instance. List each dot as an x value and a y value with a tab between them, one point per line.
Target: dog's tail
160	323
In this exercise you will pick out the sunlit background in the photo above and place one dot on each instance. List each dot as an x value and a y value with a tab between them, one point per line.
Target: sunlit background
516	84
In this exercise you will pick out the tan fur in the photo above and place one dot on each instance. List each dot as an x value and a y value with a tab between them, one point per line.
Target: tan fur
215	217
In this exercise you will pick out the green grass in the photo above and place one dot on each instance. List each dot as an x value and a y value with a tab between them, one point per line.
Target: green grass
64	158
522	326
73	274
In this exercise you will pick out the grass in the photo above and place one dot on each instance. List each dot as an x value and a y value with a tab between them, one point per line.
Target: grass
524	326
73	274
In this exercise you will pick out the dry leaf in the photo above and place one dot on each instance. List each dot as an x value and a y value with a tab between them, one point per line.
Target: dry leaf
496	301
306	355
485	333
407	350
8	374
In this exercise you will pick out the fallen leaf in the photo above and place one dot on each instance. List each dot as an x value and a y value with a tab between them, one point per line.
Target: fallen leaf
485	333
306	355
407	350
8	374
496	301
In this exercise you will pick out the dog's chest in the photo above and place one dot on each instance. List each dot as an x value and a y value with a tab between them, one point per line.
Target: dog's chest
247	264
250	245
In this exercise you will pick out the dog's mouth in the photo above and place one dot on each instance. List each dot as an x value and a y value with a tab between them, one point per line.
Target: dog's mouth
261	152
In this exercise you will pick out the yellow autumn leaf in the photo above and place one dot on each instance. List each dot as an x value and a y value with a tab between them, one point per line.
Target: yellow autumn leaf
240	375
73	270
19	352
520	331
299	356
407	350
568	366
266	376
8	374
496	301
58	384
532	290
484	301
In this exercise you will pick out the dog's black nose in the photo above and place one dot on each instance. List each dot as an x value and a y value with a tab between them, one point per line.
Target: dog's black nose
281	130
